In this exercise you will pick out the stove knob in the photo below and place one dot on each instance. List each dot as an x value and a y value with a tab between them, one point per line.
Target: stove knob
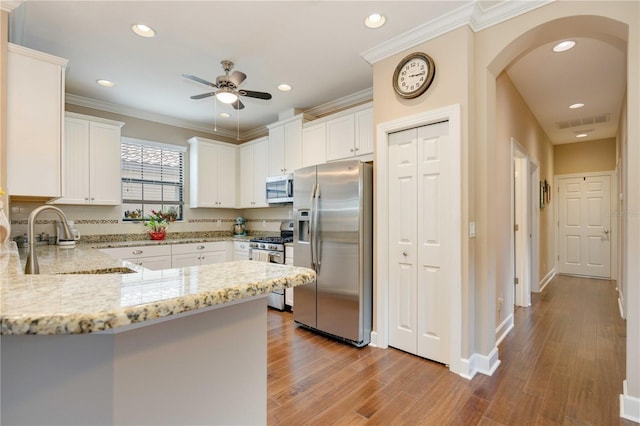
262	246
272	247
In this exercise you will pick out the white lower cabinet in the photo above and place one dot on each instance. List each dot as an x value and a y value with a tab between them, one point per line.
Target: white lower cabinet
154	258
174	255
198	254
240	250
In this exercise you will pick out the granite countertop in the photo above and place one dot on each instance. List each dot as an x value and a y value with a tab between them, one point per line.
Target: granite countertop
60	302
135	243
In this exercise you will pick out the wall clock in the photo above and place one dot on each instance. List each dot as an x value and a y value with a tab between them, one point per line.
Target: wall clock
413	75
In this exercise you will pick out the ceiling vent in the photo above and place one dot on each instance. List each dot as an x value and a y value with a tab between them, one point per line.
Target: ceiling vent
585	121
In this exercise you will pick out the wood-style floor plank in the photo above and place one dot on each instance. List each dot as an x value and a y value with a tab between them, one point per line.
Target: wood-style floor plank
562	364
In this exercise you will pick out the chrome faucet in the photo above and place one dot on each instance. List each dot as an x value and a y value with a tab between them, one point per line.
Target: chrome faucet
32	261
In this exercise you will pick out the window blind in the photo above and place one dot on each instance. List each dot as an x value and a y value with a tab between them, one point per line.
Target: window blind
152	178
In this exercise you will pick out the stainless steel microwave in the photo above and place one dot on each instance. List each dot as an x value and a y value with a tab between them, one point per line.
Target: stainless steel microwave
280	189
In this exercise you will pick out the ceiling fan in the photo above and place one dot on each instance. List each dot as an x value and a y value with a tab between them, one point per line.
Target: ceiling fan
227	86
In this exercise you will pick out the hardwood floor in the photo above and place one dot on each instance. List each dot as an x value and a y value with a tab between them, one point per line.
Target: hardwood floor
563	363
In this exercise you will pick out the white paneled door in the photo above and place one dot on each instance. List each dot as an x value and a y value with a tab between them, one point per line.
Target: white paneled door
584	226
418	300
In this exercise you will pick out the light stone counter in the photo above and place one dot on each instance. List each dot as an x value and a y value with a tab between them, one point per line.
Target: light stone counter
56	302
177	346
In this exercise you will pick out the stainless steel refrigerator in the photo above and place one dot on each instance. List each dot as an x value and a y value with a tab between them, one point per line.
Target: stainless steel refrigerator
333	234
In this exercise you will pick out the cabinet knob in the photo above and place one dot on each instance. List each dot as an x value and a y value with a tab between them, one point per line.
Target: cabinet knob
404	253
200	247
137	252
357	149
351	150
86	198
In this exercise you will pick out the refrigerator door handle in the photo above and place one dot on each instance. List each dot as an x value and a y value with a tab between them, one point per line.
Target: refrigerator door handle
312	228
316	239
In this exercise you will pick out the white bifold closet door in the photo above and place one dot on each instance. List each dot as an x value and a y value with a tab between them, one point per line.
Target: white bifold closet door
418	297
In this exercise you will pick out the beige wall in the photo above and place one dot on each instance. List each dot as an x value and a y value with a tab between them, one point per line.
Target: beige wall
453	56
515	120
584	157
496	47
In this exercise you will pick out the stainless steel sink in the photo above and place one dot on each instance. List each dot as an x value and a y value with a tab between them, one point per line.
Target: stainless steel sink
115	270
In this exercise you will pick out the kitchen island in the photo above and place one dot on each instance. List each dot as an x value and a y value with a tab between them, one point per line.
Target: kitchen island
177	346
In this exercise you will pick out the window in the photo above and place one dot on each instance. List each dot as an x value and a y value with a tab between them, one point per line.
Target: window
152	178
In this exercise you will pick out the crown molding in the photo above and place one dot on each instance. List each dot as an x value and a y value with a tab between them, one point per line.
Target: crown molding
472	14
365	95
144	115
484	18
9	6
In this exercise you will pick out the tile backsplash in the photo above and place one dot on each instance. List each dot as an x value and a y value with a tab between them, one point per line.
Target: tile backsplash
105	221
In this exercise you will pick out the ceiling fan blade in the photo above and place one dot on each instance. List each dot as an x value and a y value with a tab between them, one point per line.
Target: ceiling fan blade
199	80
237	104
252	94
237	77
202	96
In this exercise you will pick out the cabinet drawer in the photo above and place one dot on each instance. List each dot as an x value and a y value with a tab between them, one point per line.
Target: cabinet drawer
199	247
138	251
241	246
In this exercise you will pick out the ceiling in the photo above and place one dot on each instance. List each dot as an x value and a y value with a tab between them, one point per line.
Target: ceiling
318	47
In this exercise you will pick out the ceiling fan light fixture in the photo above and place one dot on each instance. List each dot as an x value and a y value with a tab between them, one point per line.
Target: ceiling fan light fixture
226	96
143	30
563	46
375	20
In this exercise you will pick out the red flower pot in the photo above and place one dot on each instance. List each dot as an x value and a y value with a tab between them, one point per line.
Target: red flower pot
158	235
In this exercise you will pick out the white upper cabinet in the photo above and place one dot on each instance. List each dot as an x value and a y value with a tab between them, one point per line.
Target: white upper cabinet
350	135
341	137
253	167
35	105
285	146
314	145
91	161
212	166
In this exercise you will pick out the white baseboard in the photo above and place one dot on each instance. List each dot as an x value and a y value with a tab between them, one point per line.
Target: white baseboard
547	278
621	307
374	340
504	328
629	405
484	364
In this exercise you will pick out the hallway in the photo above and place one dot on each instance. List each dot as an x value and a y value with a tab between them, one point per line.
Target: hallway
562	364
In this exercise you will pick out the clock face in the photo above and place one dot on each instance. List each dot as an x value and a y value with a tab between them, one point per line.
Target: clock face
413	75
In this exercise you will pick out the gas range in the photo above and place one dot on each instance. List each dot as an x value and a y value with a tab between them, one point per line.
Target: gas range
270	243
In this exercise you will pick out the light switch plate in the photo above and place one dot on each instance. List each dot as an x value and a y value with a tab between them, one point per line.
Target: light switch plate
472	229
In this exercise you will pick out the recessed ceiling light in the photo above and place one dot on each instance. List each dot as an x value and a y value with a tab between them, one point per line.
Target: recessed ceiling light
564	45
105	83
576	106
581	135
143	30
284	87
224	115
375	20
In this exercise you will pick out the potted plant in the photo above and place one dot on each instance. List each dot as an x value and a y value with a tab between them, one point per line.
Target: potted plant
157	224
